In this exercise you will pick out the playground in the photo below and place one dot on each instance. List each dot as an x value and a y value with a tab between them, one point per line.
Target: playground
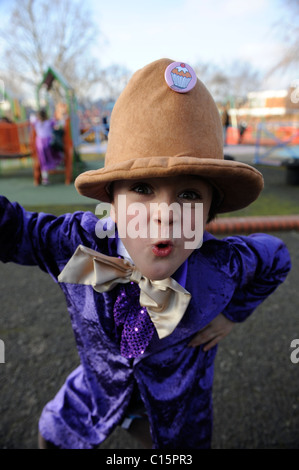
18	133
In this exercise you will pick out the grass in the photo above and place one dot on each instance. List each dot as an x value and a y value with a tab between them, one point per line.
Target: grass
60	209
277	198
23	168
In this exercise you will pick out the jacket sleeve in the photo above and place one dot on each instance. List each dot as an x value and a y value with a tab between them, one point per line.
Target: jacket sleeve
31	238
263	262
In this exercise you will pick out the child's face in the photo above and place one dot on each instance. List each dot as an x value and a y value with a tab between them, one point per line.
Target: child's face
157	238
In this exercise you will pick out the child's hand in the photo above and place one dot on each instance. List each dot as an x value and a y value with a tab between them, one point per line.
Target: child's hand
211	334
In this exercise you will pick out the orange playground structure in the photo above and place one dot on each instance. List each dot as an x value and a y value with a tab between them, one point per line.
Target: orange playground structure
17	139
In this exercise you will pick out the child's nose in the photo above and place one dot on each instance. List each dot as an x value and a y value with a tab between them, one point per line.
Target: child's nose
163	215
160	208
166	213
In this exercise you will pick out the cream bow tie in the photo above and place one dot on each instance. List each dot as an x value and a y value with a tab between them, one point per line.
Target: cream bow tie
166	301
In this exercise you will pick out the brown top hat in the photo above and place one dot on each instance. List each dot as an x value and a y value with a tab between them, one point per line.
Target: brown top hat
156	131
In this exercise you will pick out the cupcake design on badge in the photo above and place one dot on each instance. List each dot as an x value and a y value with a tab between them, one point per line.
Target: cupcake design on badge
180	77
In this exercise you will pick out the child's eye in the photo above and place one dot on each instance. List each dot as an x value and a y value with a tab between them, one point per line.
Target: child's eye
189	194
142	188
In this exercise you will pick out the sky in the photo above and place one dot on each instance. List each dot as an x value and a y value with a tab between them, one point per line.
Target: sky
136	32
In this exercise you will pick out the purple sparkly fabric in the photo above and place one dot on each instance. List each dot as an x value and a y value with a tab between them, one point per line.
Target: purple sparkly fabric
232	275
132	321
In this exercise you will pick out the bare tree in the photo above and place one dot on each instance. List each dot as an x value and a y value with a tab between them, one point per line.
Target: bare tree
243	78
288	30
214	78
231	83
57	33
114	79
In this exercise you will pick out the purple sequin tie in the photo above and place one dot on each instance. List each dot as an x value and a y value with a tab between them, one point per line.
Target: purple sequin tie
132	321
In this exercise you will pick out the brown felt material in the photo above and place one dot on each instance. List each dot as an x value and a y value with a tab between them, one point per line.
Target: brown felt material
157	132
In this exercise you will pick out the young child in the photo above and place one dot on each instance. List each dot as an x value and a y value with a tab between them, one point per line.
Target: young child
49	157
148	310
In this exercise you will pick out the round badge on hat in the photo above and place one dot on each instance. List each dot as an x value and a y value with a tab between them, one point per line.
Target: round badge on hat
180	77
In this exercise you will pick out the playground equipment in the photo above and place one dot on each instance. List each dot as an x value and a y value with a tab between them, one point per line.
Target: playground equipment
71	123
17	135
278	144
15	141
15	138
276	141
94	137
95	124
11	107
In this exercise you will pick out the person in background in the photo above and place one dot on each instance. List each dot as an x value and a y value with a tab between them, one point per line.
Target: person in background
49	155
105	124
225	123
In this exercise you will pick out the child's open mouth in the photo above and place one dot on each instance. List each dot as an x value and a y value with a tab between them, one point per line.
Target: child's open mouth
163	248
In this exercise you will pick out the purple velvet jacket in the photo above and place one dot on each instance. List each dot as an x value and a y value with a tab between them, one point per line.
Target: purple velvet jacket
232	276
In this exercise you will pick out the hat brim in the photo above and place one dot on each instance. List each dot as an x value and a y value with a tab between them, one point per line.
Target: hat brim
238	183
